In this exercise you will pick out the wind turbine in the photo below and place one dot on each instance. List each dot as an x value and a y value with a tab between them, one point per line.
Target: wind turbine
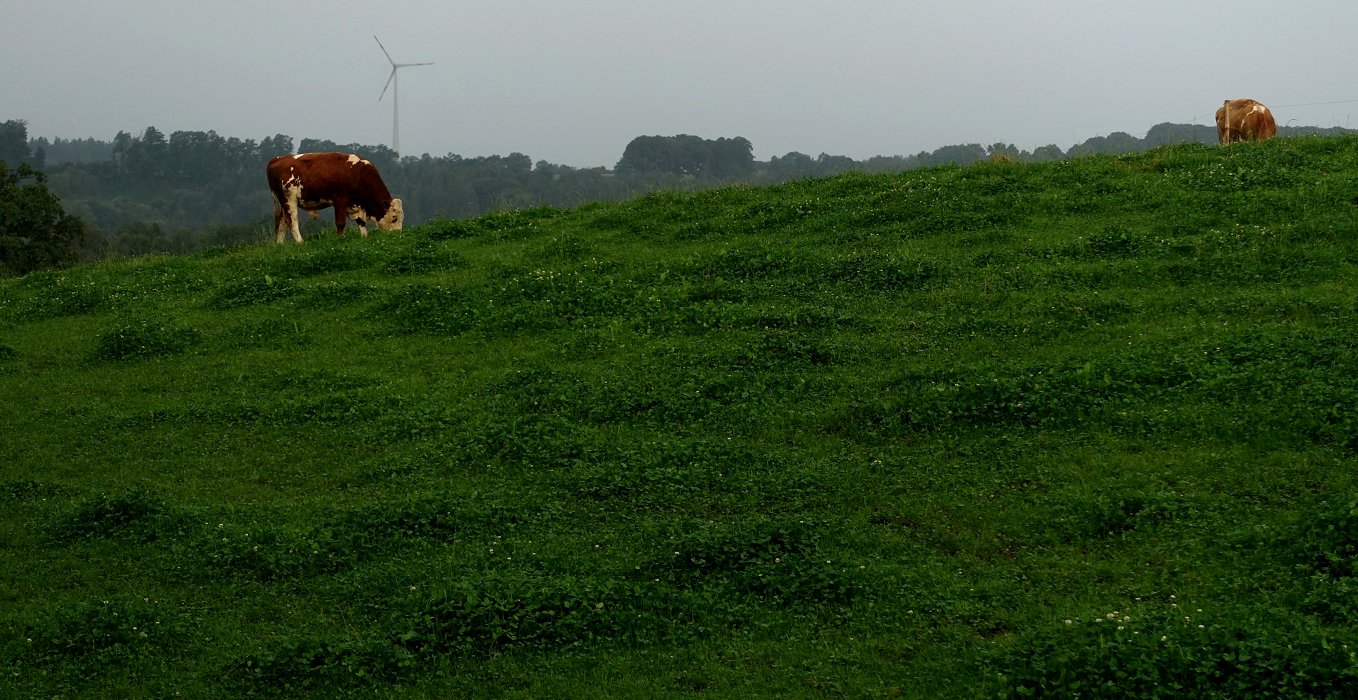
395	84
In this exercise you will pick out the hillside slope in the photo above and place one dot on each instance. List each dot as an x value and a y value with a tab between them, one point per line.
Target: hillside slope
1084	427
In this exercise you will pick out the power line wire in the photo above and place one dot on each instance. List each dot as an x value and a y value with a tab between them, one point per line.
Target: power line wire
1316	104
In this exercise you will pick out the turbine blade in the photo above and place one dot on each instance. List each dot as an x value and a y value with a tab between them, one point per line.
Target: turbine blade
384	87
384	50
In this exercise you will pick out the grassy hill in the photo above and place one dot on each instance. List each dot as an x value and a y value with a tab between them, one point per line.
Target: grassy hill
1077	427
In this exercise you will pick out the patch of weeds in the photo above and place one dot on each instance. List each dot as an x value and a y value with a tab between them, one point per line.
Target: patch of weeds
437	516
1326	541
499	226
252	291
881	273
1173	649
777	350
522	438
315	382
397	465
133	514
1084	518
320	260
334	294
266	552
423	259
274	333
545	299
748	264
425	308
452	229
1331	601
495	611
99	634
779	562
562	248
655	477
141	338
56	294
27	491
307	665
1110	242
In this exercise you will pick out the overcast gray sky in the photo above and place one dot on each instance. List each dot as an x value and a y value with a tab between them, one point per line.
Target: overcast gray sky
572	81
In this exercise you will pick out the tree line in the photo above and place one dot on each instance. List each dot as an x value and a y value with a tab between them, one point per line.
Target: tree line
189	190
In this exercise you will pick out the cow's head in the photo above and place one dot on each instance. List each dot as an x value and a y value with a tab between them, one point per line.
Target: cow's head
393	219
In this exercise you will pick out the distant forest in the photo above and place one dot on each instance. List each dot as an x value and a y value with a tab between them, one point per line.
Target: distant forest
152	193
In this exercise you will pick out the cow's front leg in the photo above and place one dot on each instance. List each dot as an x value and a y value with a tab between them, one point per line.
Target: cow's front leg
341	218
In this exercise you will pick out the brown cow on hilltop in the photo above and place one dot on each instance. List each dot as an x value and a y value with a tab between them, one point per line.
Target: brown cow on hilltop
1244	120
313	181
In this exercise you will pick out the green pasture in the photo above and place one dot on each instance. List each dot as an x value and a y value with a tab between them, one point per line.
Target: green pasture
1085	428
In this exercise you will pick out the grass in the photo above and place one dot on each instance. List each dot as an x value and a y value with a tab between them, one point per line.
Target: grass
1075	428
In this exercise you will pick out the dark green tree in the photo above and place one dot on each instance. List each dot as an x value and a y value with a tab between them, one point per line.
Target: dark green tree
35	232
686	154
14	143
1048	152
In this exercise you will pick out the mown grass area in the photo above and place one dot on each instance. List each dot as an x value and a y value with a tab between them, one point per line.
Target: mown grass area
1077	428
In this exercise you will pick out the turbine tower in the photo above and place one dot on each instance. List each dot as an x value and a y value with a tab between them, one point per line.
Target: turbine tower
395	85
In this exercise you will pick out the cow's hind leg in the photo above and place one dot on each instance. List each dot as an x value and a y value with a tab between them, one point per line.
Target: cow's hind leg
285	220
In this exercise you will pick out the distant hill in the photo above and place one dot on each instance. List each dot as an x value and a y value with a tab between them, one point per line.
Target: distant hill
187	191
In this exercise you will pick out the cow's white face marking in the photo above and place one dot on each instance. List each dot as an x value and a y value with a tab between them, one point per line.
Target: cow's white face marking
394	218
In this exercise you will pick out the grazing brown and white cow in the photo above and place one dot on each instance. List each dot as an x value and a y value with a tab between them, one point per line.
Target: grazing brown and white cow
313	181
1244	120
